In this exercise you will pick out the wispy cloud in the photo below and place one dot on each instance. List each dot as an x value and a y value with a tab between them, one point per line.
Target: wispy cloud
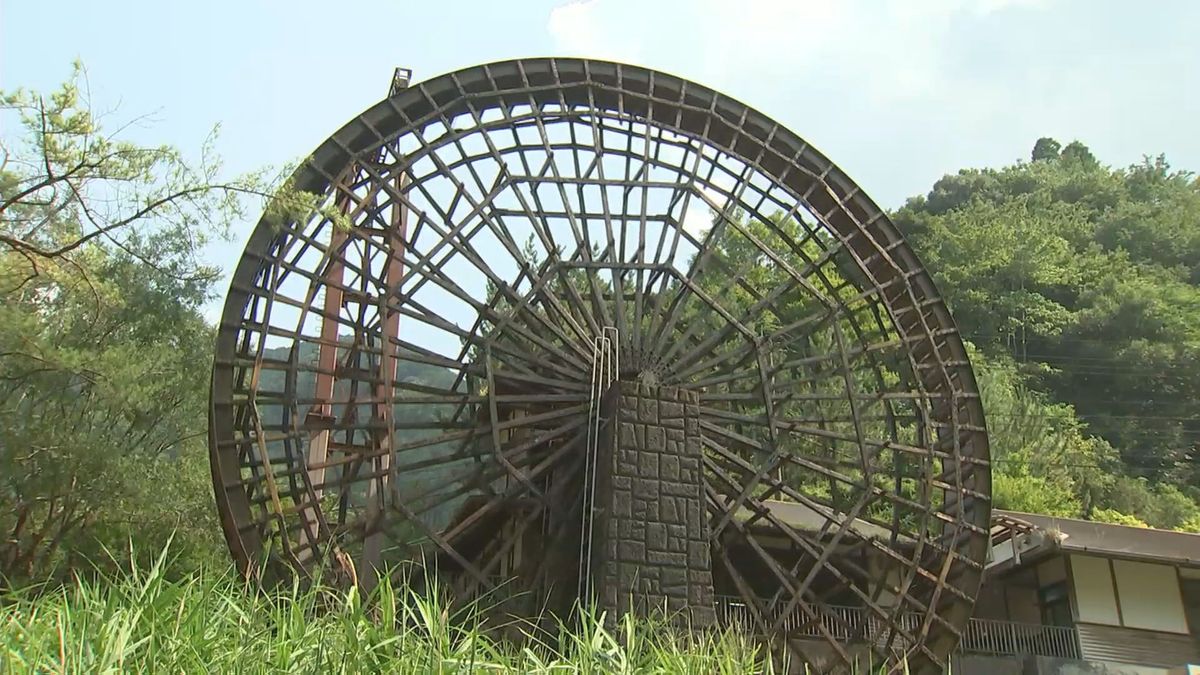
581	28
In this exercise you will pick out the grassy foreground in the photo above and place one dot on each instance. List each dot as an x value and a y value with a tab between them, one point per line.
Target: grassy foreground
212	622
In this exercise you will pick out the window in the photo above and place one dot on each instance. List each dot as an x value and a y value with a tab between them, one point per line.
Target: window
1149	596
1095	592
1055	604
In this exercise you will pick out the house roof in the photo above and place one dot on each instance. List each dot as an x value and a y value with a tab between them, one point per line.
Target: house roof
806	518
1084	536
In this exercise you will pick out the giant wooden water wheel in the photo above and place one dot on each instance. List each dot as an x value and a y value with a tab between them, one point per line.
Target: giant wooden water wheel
563	328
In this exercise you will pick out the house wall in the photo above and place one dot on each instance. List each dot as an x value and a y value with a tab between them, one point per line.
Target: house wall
1052	571
1022	597
1048	665
991	603
1130	612
1014	596
1143	647
992	665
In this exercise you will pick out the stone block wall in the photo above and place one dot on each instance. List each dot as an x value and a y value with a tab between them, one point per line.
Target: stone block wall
651	549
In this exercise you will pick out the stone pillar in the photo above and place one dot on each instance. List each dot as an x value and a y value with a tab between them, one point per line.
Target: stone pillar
651	550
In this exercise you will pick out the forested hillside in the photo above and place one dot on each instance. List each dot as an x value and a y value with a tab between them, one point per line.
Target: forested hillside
411	418
1079	284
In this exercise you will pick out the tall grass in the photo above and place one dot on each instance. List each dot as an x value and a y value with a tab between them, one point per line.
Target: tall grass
210	622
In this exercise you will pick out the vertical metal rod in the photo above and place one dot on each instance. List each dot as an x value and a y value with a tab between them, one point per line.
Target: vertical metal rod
589	470
604	373
584	562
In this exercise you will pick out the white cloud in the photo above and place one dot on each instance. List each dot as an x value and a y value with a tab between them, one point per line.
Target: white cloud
579	29
894	48
702	208
572	24
697	219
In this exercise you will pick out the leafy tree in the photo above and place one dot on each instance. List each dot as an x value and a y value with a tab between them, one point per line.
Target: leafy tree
1078	153
1043	461
1159	505
1046	148
103	350
1117	518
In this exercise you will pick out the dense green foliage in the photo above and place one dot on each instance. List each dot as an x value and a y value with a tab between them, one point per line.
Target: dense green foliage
101	418
1080	285
103	350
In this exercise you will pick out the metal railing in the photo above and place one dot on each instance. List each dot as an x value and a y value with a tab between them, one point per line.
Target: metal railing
854	624
990	636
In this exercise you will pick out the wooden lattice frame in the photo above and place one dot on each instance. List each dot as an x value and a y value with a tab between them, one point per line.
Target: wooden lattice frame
864	411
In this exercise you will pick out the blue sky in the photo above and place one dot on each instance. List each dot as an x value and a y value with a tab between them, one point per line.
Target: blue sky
897	92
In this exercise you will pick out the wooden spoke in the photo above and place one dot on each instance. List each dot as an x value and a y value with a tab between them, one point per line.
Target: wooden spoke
432	369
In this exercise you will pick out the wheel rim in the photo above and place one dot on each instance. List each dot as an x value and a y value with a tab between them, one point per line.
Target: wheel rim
473	245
